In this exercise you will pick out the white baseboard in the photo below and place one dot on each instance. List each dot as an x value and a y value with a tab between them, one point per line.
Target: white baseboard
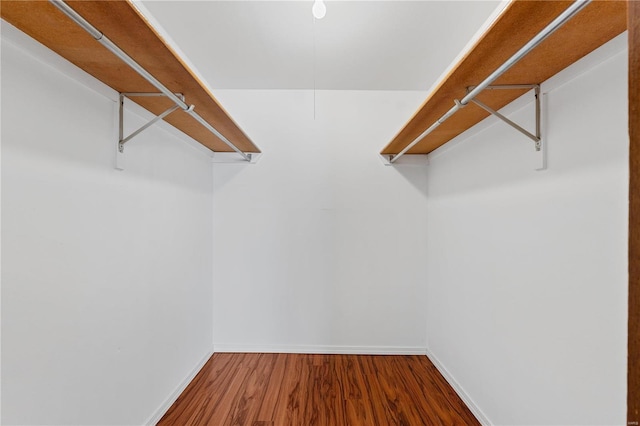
164	407
314	349
482	418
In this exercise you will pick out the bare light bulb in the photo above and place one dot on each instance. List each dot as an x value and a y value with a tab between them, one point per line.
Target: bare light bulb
319	9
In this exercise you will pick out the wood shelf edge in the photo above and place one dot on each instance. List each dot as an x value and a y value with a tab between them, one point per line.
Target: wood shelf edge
604	19
122	23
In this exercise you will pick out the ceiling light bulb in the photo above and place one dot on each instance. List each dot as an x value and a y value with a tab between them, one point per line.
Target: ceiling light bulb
319	9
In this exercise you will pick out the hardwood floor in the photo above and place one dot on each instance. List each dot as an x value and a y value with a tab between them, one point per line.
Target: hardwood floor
327	390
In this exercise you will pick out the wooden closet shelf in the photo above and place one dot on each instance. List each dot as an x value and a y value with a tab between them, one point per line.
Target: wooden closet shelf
597	23
129	30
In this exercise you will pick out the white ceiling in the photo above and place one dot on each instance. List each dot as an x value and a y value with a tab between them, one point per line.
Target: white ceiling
359	45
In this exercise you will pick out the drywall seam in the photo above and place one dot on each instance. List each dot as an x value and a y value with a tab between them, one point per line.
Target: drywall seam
322	349
164	407
482	418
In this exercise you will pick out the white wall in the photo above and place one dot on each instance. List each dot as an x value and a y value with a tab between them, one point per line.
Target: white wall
319	247
527	271
106	275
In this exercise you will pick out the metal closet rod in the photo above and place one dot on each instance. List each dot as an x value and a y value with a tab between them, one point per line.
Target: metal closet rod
104	40
576	7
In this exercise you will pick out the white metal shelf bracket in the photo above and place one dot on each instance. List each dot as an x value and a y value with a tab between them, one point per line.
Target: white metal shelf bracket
536	138
558	22
124	139
113	48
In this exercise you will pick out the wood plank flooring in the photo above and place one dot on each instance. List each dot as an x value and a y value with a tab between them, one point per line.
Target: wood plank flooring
326	390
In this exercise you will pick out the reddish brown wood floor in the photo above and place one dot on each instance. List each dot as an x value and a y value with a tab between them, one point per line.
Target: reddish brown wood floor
326	390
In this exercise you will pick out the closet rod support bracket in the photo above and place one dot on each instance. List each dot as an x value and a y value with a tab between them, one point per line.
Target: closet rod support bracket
536	138
124	139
